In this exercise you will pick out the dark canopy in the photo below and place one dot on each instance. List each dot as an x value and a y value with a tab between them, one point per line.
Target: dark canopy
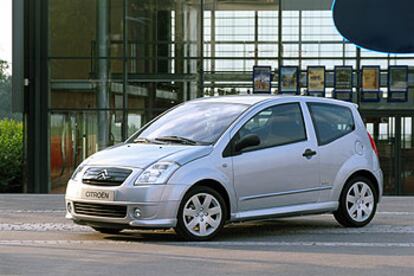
379	25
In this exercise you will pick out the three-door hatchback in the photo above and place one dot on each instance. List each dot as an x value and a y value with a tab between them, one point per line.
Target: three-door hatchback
226	159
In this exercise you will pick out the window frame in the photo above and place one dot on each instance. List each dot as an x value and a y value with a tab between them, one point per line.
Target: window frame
229	150
311	113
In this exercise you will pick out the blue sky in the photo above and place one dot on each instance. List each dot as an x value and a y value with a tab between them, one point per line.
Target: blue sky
6	30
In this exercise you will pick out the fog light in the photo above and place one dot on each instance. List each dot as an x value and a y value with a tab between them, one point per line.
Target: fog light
69	207
137	213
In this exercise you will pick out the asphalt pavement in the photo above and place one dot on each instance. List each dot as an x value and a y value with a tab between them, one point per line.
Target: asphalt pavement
36	239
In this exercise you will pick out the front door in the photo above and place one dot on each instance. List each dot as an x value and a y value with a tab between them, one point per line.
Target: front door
277	172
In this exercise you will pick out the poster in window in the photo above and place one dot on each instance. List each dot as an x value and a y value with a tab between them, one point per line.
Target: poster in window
370	84
289	79
316	80
343	80
398	84
262	79
370	78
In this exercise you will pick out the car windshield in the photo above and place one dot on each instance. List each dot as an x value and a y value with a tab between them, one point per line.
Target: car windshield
191	124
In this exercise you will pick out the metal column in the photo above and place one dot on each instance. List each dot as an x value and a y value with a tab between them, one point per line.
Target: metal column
397	156
102	97
256	37
36	97
125	73
358	75
280	43
201	52
179	46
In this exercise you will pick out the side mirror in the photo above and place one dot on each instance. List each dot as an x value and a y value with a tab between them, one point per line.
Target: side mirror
247	141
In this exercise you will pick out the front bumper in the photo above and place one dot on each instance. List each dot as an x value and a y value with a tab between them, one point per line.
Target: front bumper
157	204
154	215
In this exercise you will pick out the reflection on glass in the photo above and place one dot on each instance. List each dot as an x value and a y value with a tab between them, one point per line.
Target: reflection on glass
73	138
208	120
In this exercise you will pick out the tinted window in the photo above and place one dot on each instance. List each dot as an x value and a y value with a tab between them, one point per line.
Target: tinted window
331	121
275	126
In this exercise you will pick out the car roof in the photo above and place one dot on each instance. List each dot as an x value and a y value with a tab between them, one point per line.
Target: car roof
247	100
256	99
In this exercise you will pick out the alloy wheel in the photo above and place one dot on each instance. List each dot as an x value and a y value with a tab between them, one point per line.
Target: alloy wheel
202	214
360	201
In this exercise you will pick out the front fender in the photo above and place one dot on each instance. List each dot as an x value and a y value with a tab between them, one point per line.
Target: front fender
200	170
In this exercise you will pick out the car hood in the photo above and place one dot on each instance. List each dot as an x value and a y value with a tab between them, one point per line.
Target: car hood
143	155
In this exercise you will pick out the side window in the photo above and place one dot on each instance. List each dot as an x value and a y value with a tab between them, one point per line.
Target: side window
331	121
279	125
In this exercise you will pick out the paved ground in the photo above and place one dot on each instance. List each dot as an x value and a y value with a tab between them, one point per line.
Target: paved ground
36	239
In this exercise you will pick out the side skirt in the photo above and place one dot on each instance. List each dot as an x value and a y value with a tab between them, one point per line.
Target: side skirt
286	211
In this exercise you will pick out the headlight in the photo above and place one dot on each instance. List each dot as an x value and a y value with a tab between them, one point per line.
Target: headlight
77	175
159	173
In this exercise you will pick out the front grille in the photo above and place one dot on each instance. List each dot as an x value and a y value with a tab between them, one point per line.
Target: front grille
100	210
105	176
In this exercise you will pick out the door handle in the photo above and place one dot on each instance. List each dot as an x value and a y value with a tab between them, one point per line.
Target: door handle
309	153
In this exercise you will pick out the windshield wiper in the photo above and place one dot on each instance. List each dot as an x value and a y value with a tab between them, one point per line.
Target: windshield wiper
144	141
180	140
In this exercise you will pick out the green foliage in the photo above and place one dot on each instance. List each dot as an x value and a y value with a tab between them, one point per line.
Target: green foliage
3	67
11	156
11	137
6	94
5	98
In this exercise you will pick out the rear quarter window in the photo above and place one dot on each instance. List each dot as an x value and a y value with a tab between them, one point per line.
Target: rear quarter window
331	121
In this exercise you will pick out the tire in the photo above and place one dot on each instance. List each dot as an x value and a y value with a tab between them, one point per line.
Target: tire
357	204
107	230
197	221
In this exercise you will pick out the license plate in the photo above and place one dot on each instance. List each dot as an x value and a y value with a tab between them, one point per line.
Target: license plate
98	195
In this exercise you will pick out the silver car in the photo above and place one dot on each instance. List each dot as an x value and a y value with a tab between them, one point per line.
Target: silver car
219	160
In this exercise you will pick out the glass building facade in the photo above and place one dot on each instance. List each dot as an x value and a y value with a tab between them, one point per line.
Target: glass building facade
98	70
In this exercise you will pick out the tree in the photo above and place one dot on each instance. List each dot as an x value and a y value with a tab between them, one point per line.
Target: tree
3	67
6	93
11	137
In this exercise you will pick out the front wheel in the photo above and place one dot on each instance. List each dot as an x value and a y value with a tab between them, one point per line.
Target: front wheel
357	204
201	215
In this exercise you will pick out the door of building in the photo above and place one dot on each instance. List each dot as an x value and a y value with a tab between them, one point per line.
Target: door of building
407	156
394	138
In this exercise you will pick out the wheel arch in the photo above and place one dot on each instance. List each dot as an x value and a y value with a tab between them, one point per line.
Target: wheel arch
356	166
369	175
218	187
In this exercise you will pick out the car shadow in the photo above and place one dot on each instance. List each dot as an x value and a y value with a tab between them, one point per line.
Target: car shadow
252	230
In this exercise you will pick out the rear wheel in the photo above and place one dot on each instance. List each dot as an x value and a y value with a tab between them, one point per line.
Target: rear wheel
107	230
358	203
201	215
